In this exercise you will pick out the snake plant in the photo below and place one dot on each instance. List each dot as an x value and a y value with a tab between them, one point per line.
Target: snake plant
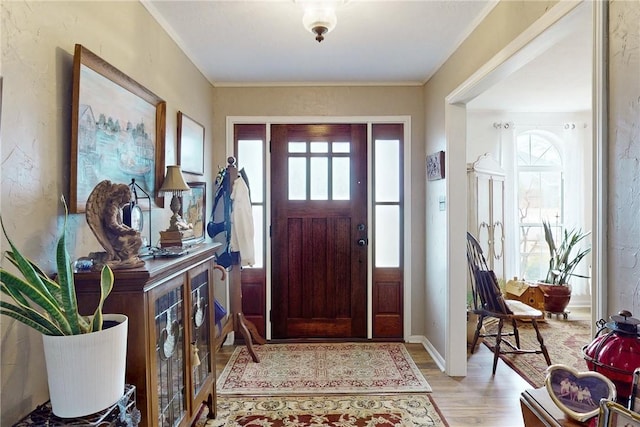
48	306
561	263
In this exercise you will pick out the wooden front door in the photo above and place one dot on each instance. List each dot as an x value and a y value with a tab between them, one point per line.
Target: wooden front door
319	231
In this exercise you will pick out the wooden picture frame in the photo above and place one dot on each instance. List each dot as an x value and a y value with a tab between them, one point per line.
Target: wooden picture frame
435	166
613	414
117	130
190	145
194	209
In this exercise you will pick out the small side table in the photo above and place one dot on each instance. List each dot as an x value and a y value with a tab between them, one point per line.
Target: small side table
122	414
538	410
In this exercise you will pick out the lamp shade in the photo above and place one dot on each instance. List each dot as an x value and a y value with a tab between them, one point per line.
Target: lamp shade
173	181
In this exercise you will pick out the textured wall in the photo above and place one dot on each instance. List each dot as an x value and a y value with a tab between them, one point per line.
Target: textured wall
624	157
38	41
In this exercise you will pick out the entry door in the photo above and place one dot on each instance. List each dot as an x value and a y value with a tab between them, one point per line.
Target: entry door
319	231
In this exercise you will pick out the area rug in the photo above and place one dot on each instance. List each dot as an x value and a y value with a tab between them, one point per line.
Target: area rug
564	340
333	368
338	410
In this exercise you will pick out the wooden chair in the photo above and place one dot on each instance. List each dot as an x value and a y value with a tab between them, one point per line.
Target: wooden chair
489	302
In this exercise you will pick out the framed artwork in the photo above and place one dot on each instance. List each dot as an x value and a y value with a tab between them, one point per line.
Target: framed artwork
578	394
194	208
190	145
613	414
435	166
117	130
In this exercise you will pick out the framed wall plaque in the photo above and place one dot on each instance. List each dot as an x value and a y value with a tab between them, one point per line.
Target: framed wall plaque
435	166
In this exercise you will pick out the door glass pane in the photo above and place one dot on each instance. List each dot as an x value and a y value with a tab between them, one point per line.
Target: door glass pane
319	147
250	155
297	178
170	361
319	178
297	147
387	170
340	147
387	236
340	178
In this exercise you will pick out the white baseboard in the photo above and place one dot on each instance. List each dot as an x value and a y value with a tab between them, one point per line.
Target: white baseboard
435	355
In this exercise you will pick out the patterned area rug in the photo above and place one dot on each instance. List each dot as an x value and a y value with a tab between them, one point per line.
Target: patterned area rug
338	410
334	368
564	340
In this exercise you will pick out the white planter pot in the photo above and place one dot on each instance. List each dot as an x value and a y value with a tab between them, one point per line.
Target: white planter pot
86	372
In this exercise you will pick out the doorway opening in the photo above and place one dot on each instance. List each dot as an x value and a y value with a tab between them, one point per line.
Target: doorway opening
544	34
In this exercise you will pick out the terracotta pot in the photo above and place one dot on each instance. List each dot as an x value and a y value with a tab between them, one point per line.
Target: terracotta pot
556	297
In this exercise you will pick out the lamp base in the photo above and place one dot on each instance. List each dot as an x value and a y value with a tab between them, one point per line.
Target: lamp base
176	238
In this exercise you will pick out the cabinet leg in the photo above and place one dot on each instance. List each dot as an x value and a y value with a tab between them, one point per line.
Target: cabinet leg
211	403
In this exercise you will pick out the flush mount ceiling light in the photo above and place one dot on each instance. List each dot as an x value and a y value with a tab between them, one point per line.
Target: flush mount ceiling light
319	21
320	16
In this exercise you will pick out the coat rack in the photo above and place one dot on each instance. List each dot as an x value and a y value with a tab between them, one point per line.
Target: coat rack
236	320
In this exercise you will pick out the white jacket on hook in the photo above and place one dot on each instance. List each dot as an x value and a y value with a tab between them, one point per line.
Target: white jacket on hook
242	223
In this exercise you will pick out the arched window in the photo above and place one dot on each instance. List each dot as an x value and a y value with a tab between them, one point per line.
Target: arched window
540	197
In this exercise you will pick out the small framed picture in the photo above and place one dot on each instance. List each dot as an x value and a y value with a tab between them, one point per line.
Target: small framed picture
578	394
194	208
613	414
190	145
435	166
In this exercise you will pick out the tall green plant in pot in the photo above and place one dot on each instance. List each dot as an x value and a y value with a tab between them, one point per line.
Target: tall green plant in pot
85	362
563	260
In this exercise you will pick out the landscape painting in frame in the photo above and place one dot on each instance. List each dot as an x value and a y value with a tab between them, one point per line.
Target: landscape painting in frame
117	130
194	208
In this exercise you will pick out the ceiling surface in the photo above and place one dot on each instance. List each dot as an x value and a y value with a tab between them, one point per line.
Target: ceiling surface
265	42
375	42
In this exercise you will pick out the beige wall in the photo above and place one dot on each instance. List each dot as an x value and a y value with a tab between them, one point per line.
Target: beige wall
346	101
38	41
505	22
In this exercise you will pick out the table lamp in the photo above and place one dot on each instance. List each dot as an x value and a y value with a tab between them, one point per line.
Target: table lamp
174	183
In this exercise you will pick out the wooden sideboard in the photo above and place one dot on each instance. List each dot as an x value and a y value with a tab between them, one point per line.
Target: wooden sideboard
538	410
170	347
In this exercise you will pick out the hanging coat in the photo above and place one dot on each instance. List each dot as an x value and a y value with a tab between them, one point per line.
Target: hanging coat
242	222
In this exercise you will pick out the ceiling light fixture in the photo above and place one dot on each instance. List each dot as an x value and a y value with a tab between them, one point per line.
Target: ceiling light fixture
319	21
320	16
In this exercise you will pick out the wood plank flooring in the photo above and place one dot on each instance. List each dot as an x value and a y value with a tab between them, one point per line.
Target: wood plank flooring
475	400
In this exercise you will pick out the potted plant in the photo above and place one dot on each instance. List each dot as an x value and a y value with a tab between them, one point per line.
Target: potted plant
85	355
562	263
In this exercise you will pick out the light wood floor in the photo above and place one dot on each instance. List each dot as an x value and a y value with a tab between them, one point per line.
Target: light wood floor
475	400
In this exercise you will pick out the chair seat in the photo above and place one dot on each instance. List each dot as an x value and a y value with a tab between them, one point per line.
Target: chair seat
523	311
